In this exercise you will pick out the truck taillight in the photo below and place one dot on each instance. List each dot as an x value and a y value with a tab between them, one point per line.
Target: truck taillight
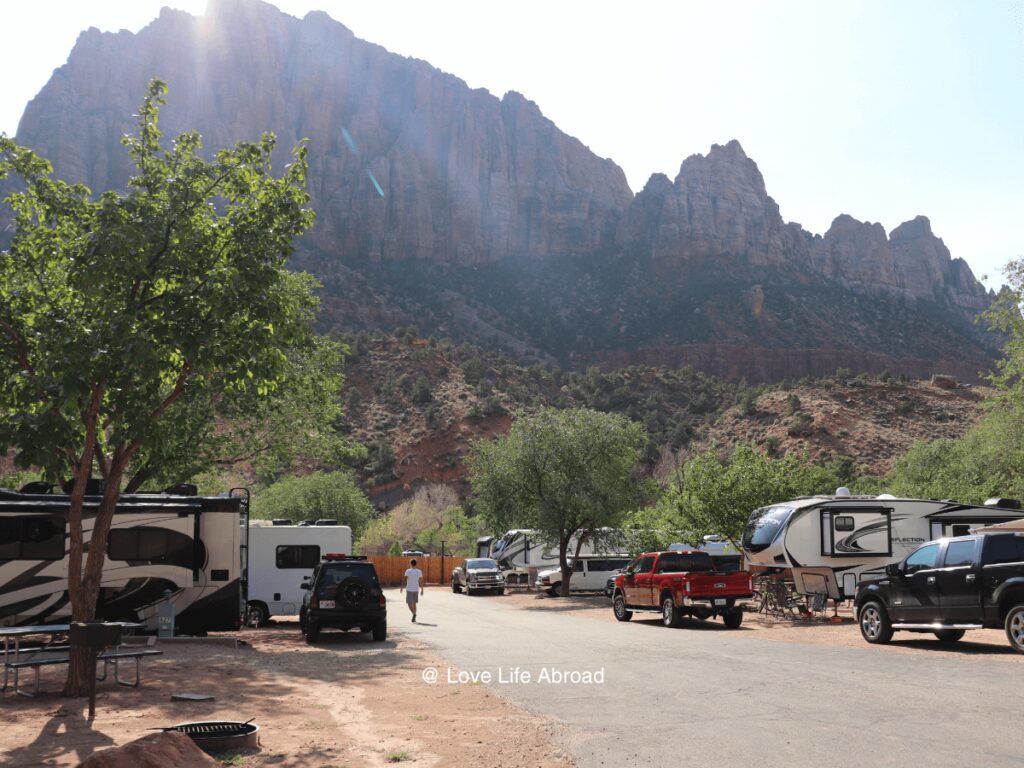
314	603
750	583
383	600
688	585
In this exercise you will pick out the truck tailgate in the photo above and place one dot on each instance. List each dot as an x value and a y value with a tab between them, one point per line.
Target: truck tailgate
719	584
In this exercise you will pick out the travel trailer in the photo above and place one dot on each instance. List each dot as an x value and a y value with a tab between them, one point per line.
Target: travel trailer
281	555
830	541
163	547
524	554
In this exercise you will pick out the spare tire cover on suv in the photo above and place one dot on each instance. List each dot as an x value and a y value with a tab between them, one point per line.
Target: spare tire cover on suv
352	591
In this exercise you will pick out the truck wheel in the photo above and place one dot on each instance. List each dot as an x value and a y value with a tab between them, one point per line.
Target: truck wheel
875	626
555	589
456	587
380	631
312	632
949	635
733	619
1015	627
669	612
619	608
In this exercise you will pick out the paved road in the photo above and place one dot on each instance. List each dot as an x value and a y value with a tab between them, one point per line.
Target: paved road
712	697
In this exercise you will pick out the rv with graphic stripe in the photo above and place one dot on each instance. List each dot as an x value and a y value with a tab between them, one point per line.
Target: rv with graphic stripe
830	542
186	549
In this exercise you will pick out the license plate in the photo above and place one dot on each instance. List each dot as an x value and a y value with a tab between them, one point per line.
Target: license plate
326	603
719	602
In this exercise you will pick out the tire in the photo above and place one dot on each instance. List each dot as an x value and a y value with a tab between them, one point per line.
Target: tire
875	626
949	635
257	614
1015	627
456	587
380	631
351	592
555	590
669	612
733	619
619	608
469	591
312	633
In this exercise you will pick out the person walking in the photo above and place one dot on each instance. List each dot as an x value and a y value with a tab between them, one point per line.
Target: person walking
412	585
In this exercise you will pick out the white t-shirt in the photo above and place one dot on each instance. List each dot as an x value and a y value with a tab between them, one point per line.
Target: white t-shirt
412	579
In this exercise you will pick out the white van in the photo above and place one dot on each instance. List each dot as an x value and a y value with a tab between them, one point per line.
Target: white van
589	574
281	555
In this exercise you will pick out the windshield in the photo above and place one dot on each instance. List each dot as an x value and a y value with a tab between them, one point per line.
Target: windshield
763	526
481	562
685	562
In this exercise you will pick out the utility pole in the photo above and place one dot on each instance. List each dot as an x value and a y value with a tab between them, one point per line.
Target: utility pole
442	576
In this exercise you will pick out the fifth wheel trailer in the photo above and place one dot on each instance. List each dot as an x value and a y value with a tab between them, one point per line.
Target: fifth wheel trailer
163	547
829	542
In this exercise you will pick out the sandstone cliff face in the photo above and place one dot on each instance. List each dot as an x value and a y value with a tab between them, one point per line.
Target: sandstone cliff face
718	214
464	177
476	218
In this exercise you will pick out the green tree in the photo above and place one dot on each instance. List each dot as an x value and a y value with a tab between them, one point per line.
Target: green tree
113	310
317	496
565	474
715	495
217	429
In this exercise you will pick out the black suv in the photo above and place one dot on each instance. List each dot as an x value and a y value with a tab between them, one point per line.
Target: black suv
947	587
343	593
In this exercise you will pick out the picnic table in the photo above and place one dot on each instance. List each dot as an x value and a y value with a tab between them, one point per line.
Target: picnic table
53	649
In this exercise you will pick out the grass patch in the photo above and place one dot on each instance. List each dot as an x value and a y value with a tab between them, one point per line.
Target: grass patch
232	759
397	757
419	717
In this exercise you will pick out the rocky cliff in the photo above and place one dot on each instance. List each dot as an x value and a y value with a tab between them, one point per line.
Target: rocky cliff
477	218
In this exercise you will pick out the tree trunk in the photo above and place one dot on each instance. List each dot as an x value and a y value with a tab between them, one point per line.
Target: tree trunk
563	563
576	556
86	596
78	670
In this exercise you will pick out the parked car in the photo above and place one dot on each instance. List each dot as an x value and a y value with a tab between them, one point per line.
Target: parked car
609	585
414	553
947	587
678	584
589	574
478	574
343	592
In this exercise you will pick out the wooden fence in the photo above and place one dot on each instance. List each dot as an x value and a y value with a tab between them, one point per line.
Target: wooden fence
436	569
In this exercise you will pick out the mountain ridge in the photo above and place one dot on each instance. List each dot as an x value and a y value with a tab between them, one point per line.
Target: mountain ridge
476	217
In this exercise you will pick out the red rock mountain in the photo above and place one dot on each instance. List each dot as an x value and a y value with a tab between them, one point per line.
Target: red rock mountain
477	218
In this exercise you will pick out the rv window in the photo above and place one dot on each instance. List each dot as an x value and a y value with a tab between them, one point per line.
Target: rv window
151	545
32	537
298	556
923	558
960	553
844	523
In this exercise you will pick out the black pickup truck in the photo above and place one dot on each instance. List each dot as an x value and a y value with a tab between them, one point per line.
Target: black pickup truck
947	587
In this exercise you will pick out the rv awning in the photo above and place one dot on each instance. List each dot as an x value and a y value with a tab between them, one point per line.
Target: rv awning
1010	526
969	514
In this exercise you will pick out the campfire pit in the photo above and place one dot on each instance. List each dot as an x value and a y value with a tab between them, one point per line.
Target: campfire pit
220	735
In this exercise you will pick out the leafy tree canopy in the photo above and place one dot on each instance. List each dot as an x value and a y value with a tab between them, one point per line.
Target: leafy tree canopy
715	495
565	474
317	496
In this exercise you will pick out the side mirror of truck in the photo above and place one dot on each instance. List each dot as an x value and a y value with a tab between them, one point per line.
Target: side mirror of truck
305	585
894	570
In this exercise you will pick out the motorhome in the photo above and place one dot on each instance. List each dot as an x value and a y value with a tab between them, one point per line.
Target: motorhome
281	555
830	541
172	546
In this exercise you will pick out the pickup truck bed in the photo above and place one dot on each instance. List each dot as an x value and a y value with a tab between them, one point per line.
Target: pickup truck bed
677	584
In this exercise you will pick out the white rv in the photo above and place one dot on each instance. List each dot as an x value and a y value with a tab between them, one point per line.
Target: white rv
281	555
830	541
163	547
522	552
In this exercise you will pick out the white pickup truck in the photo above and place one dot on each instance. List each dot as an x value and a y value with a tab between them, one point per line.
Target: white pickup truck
589	574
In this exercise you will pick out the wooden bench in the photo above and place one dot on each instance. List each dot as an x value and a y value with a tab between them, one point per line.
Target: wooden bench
39	660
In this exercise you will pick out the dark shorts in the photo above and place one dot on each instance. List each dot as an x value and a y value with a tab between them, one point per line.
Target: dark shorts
412	597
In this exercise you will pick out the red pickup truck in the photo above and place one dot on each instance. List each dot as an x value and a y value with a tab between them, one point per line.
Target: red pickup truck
678	584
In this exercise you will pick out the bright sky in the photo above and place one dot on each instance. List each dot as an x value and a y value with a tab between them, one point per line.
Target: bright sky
883	110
